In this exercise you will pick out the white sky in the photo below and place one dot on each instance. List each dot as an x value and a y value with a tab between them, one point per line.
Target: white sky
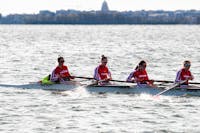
33	6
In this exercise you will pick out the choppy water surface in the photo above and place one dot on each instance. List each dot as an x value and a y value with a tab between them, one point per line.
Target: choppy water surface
28	53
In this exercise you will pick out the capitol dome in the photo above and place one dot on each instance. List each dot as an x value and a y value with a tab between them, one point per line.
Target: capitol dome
104	7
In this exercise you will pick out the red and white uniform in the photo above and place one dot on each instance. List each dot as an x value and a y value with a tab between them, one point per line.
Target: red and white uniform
139	75
101	73
183	75
62	71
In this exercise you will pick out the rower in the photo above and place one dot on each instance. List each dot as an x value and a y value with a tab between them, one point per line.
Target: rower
61	73
102	73
140	76
184	74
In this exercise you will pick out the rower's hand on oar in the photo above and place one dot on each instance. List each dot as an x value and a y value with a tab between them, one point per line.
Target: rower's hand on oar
106	80
72	77
138	80
58	76
132	80
101	82
151	82
190	78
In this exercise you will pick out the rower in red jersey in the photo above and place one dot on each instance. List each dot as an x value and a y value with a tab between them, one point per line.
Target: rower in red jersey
184	74
140	76
61	72
102	73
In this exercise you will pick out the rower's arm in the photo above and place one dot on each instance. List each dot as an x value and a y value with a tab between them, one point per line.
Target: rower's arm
191	77
109	75
70	76
96	74
130	77
178	77
54	77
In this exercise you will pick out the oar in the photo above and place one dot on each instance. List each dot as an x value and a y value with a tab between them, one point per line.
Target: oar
167	81
161	81
89	78
96	83
122	81
164	81
170	87
196	83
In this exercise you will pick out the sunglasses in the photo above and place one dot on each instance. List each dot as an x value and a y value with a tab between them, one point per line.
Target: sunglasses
187	65
62	61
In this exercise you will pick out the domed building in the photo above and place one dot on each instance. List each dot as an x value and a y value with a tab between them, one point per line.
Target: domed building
104	7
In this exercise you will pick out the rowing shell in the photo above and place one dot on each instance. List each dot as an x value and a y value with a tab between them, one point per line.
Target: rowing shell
192	90
118	89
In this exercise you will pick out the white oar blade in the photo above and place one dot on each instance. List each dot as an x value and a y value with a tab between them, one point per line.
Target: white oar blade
170	87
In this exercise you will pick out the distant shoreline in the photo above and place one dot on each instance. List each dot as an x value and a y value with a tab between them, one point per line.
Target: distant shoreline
74	17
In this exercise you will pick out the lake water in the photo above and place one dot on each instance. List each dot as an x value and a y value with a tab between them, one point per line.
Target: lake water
29	52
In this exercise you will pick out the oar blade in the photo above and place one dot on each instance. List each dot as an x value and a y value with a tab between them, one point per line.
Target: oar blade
170	87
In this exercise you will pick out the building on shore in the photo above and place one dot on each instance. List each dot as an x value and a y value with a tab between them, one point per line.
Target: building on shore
104	7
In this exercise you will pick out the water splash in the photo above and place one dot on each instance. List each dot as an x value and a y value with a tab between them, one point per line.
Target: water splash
79	92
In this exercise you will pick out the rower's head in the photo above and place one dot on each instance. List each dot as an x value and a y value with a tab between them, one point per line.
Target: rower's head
142	65
104	60
187	64
61	60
